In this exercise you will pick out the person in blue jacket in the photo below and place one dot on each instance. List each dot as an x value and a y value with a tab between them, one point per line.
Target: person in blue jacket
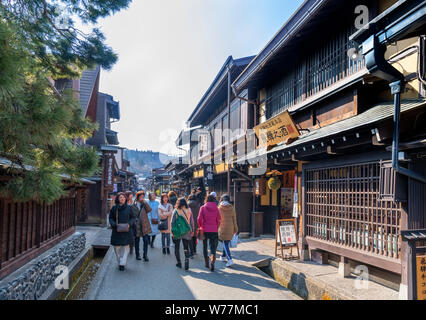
154	217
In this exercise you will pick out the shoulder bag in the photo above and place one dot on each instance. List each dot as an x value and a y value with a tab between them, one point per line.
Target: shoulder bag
121	227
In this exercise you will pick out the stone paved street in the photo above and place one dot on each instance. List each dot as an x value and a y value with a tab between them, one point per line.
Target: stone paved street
160	279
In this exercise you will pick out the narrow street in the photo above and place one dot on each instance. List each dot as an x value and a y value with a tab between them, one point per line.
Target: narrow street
159	279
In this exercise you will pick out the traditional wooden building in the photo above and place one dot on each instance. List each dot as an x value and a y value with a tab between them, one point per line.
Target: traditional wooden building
343	127
212	149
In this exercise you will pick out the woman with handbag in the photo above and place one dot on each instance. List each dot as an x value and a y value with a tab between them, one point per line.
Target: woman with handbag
228	227
143	227
209	221
165	211
121	219
154	218
182	229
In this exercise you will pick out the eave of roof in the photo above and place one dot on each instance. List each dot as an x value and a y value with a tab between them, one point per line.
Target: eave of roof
297	20
218	80
379	112
87	85
7	164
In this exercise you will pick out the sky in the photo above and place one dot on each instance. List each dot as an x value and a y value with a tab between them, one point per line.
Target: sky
169	53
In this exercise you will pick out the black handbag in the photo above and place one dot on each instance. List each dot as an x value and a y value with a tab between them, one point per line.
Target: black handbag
164	225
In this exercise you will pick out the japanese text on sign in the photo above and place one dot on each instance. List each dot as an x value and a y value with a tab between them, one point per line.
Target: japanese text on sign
421	277
276	130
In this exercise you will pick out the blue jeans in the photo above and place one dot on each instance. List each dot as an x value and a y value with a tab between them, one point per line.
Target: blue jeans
226	251
165	240
145	245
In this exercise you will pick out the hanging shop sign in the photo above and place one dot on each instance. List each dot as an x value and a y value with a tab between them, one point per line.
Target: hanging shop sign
276	130
208	177
286	237
109	171
421	277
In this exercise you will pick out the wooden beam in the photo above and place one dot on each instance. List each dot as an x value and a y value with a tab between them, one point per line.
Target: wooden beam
389	264
332	151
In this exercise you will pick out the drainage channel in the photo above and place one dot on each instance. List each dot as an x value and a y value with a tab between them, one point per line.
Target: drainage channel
81	284
266	267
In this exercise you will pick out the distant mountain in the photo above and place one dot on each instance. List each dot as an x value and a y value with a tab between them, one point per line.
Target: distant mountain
142	162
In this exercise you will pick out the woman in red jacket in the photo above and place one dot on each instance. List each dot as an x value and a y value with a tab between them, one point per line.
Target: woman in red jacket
209	221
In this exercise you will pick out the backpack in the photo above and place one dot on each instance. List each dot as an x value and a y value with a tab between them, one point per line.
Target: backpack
180	227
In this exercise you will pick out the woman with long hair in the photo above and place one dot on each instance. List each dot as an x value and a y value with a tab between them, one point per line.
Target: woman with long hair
182	212
209	221
228	227
121	219
165	211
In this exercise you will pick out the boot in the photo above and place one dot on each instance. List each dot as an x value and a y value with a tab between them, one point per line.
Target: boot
186	264
168	250
179	264
138	257
213	260
207	260
145	258
164	250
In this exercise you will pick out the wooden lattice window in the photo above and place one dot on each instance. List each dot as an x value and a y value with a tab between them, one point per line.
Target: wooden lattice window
343	207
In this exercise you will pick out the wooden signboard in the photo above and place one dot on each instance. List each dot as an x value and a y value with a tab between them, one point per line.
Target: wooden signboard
421	277
286	237
276	130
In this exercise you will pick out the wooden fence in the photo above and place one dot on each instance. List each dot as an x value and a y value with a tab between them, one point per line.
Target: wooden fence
27	229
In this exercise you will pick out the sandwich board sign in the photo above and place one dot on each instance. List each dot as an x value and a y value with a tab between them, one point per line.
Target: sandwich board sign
286	236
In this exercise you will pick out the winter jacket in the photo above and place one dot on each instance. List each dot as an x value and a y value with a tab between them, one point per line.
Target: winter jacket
209	217
142	220
188	217
154	215
228	222
194	204
125	215
165	212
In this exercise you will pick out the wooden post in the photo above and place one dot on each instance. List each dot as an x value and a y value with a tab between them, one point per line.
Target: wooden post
38	225
412	271
405	255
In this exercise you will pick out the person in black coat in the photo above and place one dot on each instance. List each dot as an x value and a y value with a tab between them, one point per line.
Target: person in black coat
121	240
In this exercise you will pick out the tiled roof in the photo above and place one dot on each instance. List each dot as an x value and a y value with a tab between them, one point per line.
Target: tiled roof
87	83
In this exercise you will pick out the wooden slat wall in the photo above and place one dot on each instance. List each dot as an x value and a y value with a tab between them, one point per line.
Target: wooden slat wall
27	226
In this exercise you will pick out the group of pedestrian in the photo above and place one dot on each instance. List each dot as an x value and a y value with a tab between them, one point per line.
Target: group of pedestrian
178	220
